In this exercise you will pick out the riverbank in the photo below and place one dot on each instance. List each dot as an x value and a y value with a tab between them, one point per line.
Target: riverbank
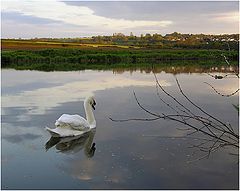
95	58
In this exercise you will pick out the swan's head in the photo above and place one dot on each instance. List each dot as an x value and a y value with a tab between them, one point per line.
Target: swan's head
90	100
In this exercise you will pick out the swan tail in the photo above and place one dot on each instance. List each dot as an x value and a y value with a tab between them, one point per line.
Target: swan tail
52	132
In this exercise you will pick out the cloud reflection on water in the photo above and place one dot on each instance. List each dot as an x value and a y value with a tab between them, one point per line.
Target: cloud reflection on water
19	138
42	99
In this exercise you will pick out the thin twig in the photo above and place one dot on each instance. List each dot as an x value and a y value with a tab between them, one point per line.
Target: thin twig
226	60
202	109
218	133
225	95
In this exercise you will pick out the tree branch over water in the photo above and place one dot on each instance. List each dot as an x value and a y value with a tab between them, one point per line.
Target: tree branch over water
222	77
214	133
224	95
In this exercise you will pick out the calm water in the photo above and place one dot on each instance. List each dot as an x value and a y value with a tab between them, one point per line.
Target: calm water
128	155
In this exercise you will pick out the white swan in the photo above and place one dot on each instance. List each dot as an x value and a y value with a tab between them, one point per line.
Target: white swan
73	125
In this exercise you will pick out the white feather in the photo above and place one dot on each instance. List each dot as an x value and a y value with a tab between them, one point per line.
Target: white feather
75	121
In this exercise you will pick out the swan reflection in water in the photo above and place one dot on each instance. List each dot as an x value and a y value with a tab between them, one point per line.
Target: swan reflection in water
74	144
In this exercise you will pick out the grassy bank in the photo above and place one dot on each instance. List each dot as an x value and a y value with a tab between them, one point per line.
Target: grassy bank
72	59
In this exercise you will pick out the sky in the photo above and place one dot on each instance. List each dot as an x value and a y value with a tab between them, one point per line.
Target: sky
69	19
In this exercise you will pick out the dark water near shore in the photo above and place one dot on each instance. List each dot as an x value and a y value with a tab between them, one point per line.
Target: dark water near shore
128	155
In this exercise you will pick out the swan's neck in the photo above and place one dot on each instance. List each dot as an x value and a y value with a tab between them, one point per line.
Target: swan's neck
89	114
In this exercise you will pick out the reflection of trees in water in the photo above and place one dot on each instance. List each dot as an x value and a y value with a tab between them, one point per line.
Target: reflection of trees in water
73	144
179	69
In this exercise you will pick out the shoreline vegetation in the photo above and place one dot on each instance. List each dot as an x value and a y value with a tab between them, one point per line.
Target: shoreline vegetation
77	59
66	55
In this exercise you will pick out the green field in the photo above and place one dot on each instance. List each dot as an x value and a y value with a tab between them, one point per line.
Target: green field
71	59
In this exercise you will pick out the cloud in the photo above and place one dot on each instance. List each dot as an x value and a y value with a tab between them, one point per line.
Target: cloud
20	18
75	15
30	19
230	17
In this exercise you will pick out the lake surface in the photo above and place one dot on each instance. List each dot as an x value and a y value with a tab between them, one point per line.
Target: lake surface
128	155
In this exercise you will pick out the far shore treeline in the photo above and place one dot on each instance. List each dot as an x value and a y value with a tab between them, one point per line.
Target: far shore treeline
118	49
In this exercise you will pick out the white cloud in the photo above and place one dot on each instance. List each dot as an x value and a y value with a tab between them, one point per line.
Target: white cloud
75	15
231	17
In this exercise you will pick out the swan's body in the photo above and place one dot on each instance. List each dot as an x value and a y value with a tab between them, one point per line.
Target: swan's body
74	121
73	125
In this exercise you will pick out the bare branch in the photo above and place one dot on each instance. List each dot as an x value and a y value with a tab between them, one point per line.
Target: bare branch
146	110
215	133
202	109
226	60
225	95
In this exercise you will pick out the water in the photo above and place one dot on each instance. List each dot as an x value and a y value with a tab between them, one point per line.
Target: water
126	155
